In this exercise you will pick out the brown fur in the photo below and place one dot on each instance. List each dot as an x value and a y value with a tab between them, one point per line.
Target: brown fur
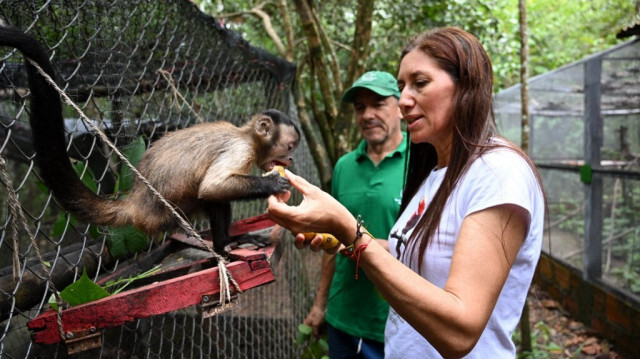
189	167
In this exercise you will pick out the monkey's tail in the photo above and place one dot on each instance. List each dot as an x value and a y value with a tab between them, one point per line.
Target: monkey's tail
47	127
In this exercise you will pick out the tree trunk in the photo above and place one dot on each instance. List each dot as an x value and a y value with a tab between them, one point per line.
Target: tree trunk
33	283
525	324
524	75
346	125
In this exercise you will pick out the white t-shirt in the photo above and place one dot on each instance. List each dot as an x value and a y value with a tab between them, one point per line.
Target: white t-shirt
498	177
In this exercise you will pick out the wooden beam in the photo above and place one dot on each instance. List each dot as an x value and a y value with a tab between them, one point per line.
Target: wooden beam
153	299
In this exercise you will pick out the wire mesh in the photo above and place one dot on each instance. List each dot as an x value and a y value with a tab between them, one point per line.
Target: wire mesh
139	69
557	144
557	107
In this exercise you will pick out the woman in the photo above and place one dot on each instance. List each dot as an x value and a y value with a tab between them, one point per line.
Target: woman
463	252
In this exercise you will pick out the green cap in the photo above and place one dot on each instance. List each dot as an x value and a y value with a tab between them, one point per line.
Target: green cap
380	82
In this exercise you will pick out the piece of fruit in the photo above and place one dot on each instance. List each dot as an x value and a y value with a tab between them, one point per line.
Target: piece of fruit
279	169
328	240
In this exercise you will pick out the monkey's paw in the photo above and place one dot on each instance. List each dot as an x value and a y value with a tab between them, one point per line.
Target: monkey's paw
278	183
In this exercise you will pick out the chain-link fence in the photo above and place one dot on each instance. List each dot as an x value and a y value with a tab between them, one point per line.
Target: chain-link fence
138	68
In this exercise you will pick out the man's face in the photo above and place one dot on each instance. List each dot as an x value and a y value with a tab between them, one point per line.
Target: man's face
377	117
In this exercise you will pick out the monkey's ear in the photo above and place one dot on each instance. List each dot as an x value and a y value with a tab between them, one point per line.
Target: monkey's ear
264	126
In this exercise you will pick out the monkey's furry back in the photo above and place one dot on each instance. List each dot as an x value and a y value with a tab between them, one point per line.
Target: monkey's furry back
176	164
139	208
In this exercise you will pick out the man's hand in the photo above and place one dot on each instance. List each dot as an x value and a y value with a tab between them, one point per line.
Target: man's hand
315	319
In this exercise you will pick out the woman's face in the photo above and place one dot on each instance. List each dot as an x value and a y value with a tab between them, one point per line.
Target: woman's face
427	99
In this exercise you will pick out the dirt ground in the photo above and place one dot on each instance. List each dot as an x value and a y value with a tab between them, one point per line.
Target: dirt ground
556	335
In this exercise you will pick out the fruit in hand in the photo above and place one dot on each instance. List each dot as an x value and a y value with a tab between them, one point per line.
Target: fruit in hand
278	169
328	240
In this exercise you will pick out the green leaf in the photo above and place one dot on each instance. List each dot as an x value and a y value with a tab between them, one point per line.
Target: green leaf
301	338
125	240
43	187
132	152
305	329
553	347
304	332
94	232
87	178
82	291
323	344
61	224
52	302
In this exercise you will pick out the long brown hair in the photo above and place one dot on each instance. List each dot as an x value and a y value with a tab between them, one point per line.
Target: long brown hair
462	56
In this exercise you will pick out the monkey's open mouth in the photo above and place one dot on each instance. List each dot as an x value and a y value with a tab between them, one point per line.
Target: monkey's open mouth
272	164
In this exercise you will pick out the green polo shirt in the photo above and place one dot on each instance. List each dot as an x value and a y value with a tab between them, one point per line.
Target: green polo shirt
374	193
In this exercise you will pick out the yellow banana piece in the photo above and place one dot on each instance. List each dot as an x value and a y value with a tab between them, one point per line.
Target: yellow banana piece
328	240
279	169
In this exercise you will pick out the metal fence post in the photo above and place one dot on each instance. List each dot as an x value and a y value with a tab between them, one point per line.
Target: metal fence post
592	264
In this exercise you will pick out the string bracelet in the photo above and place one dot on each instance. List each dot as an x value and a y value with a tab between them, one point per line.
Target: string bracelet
351	250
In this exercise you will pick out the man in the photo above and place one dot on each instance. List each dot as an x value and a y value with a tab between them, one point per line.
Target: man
368	181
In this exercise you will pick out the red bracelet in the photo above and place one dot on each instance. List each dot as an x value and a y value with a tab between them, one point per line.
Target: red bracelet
354	252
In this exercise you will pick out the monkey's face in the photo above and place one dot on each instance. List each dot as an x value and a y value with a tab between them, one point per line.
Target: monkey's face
285	141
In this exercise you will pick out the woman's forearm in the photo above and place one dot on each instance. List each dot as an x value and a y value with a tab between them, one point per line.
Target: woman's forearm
436	314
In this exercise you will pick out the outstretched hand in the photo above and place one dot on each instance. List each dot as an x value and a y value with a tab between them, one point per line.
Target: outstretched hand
318	211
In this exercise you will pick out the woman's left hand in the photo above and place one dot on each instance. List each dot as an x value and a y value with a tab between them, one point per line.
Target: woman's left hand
318	212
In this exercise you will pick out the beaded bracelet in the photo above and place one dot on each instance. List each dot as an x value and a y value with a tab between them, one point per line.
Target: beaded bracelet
351	250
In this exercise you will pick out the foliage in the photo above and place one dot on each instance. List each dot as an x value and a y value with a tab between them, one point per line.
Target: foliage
123	241
565	31
84	290
312	348
494	22
543	346
586	25
621	217
624	257
117	286
133	153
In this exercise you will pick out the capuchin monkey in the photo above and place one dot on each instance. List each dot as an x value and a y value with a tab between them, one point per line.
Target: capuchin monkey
197	169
